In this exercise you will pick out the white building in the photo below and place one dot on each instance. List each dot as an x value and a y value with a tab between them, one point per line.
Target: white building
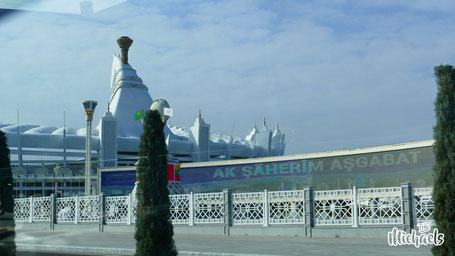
115	140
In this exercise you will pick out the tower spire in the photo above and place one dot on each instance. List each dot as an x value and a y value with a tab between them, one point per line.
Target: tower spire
124	43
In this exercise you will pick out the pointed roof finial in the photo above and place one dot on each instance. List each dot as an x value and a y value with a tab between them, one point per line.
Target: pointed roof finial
264	120
277	126
254	125
199	114
124	43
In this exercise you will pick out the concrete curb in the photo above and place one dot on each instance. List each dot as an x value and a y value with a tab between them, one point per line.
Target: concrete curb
111	251
75	249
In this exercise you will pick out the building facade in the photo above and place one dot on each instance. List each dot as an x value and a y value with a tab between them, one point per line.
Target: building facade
115	140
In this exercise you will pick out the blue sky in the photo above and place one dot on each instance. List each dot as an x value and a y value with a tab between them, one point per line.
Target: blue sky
334	74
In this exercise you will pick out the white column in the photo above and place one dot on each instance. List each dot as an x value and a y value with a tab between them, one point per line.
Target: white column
88	159
266	208
31	210
355	212
130	210
76	210
191	209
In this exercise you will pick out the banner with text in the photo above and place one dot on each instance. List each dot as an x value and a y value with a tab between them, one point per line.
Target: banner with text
389	168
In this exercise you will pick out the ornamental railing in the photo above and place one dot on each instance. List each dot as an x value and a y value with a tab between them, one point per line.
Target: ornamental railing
286	207
349	207
208	208
424	204
334	207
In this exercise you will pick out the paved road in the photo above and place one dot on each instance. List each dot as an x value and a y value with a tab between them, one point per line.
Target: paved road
22	253
230	245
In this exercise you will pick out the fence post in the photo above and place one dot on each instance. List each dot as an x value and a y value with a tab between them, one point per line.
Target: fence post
407	203
309	211
227	223
102	211
130	210
266	208
53	219
31	210
191	209
355	209
76	210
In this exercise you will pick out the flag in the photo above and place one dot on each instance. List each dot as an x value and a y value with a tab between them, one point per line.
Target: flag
177	172
170	172
139	115
173	172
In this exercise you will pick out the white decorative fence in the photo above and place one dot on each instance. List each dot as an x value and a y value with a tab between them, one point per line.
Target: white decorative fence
66	209
334	207
41	208
118	209
380	206
350	207
22	209
286	207
180	209
424	204
208	208
248	208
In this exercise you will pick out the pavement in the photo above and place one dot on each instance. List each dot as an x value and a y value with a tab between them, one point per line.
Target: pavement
103	243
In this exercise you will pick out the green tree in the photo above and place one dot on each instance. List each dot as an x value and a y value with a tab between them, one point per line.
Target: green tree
444	151
154	231
7	233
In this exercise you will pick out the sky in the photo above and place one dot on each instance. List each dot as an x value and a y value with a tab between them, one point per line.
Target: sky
335	74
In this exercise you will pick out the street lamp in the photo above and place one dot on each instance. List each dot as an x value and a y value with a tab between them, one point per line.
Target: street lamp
89	106
56	169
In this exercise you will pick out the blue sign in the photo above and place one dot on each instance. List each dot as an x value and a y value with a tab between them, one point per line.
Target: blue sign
117	182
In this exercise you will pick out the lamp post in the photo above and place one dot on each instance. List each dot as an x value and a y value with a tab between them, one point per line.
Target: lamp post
89	106
56	169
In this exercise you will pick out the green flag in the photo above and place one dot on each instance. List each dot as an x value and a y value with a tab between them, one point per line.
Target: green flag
139	115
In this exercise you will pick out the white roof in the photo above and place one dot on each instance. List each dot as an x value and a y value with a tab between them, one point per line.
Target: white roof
409	145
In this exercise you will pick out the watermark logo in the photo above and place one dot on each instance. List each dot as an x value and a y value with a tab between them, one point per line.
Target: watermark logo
425	236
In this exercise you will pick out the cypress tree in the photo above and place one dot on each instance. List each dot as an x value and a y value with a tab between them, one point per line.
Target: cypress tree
154	231
444	151
7	233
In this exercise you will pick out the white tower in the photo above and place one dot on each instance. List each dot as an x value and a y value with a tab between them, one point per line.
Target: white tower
129	95
108	140
200	136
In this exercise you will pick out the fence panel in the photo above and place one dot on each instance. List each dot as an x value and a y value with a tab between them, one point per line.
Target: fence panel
42	209
286	207
208	208
117	209
22	209
248	208
66	209
180	209
333	207
380	206
89	208
424	204
376	206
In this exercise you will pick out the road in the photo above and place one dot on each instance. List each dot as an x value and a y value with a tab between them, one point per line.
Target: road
218	245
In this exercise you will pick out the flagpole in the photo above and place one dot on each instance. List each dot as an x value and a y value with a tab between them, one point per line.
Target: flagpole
64	138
